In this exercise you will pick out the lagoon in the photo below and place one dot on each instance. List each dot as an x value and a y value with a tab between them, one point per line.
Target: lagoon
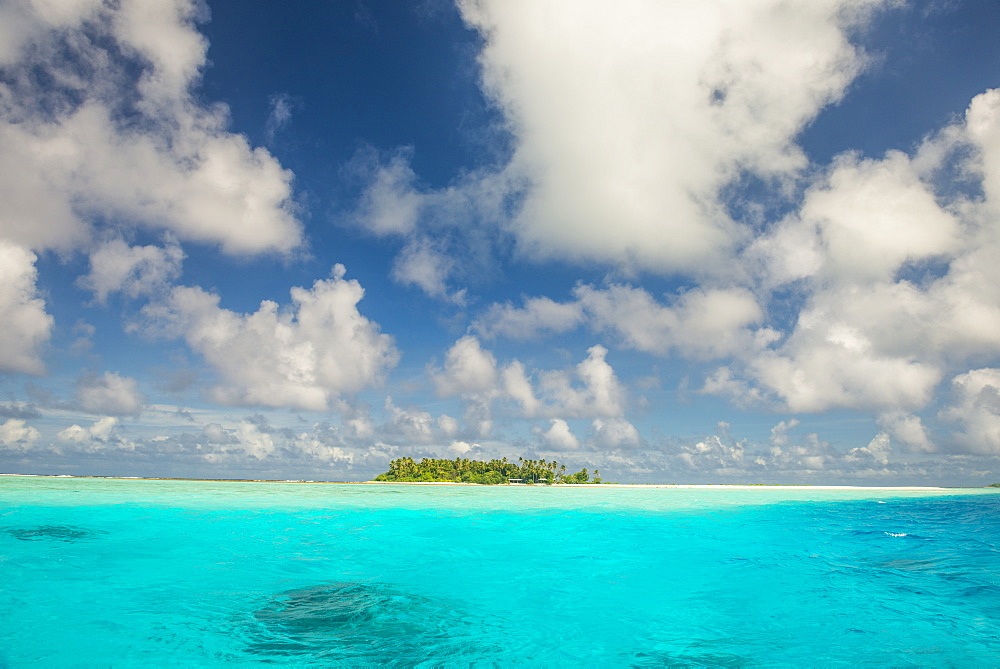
106	572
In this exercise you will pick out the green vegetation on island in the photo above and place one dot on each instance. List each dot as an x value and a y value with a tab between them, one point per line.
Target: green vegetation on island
494	472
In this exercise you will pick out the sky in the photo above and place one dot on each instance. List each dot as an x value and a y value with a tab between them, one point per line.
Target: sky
724	241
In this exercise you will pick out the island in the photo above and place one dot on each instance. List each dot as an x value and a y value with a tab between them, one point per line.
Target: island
494	472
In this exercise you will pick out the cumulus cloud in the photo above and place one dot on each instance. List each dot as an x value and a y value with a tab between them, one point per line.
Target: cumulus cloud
559	437
598	393
976	409
703	323
110	394
116	135
614	433
468	369
99	434
861	224
134	270
982	130
416	426
590	389
894	267
830	365
14	432
26	325
304	355
908	430
877	450
628	123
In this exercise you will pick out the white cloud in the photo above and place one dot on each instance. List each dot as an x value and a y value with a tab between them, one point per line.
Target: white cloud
447	425
110	394
14	432
421	264
100	434
614	433
134	270
279	116
897	269
629	120
214	433
255	443
826	363
907	429
26	326
538	316
982	129
414	426
601	394
22	23
712	453
468	369
303	356
977	410
702	322
591	389
460	448
517	386
872	216
779	434
117	135
559	436
390	204
878	450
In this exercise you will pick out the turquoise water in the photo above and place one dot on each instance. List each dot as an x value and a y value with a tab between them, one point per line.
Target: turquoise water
161	573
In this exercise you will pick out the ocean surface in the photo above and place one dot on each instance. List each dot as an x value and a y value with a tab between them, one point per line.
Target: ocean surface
124	573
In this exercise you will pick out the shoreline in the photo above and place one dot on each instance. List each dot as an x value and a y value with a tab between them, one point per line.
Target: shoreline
678	486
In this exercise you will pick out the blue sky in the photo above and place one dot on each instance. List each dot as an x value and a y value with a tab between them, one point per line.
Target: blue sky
719	242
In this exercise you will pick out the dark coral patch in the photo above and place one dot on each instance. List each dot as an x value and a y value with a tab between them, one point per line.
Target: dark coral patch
364	622
52	533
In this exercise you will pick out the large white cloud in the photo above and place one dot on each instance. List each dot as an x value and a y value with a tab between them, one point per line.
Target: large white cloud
26	326
303	356
116	134
628	121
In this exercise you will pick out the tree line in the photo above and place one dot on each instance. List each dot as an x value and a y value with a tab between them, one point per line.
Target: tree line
494	472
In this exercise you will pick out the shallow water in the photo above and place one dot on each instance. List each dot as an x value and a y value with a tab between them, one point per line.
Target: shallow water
126	573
